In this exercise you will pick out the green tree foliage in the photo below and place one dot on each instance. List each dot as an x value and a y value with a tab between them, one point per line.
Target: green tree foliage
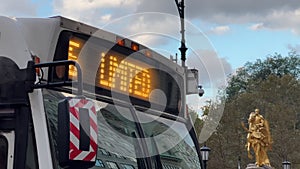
253	73
197	122
273	86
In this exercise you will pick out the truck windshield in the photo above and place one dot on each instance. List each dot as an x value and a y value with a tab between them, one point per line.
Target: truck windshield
171	141
130	139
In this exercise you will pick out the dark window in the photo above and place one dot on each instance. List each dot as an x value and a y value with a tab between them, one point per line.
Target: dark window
31	154
104	152
112	165
99	163
3	152
166	166
126	166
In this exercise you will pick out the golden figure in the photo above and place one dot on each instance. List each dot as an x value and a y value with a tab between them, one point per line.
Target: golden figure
259	138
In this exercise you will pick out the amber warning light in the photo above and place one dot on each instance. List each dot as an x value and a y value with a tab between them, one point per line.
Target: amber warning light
120	41
37	60
134	46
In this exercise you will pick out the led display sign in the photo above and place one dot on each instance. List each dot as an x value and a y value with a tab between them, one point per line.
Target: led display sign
124	76
115	72
120	70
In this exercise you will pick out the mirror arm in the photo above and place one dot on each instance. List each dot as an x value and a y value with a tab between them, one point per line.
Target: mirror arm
66	81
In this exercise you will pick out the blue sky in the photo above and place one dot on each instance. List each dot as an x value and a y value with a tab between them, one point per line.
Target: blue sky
242	44
221	35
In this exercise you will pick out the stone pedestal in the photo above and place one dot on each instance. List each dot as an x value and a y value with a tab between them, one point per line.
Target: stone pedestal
253	166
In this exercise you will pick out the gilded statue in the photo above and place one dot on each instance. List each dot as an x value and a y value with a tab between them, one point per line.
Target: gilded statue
258	138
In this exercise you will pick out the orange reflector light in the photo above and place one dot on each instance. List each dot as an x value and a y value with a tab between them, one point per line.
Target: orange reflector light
148	53
37	60
120	41
134	46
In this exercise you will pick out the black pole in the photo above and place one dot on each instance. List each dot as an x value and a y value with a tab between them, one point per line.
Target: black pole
183	48
204	164
239	162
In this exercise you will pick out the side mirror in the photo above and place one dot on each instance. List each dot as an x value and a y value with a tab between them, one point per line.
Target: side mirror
77	133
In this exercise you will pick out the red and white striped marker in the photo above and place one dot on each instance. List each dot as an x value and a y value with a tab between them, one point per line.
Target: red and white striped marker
75	153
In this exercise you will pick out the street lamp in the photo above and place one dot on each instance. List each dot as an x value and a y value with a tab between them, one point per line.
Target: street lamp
204	153
183	48
286	164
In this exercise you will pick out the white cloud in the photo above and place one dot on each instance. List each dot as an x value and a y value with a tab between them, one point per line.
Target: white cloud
257	26
106	18
279	20
94	12
212	68
93	4
18	8
150	29
219	30
295	48
275	15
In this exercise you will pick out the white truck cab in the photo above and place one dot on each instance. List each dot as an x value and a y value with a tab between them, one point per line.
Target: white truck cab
61	106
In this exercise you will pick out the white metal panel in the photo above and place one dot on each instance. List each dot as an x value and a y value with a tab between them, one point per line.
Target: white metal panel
191	81
40	129
41	36
12	43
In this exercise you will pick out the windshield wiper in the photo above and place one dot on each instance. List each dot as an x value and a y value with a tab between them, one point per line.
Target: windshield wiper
157	160
141	162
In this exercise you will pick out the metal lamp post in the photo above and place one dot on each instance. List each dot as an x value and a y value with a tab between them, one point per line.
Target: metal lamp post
239	162
286	164
204	153
183	48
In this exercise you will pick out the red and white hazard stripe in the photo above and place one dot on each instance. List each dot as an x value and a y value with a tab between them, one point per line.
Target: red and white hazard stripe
75	153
